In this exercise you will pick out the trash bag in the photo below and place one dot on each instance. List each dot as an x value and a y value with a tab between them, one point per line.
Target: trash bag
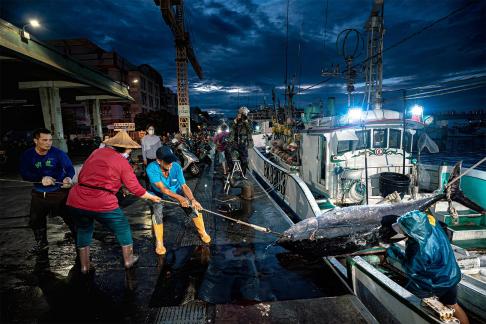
429	260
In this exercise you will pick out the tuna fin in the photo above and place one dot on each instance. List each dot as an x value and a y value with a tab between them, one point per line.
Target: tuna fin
457	194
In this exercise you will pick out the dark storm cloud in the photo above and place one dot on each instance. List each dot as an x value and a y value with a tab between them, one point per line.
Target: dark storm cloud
240	44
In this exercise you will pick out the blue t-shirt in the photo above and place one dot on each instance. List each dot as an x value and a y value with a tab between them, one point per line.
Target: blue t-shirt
56	164
174	180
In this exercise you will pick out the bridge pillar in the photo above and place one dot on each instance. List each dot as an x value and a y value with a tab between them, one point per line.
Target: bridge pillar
51	110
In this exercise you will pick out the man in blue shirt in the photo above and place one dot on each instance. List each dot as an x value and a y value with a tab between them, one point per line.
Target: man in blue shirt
167	180
52	171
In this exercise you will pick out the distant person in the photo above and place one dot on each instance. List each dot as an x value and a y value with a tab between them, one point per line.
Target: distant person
94	196
167	180
52	170
429	260
165	140
241	137
150	144
220	141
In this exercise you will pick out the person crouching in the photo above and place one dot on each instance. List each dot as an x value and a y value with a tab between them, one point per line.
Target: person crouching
167	180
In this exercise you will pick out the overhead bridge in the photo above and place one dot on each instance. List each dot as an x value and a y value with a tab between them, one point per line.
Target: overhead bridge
29	64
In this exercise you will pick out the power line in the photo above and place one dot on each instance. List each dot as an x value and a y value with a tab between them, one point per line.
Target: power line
448	88
403	40
325	30
446	93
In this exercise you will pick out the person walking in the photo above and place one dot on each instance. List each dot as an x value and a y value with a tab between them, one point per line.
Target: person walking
93	197
52	171
150	144
167	180
220	141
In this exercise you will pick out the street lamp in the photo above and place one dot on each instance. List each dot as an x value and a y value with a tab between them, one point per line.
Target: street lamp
33	23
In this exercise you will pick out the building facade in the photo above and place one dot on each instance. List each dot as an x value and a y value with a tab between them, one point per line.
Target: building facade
145	85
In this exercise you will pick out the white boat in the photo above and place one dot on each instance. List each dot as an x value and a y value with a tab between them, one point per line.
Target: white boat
313	187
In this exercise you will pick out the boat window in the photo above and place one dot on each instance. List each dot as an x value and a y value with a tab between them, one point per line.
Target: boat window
394	140
379	138
407	138
344	146
363	139
323	157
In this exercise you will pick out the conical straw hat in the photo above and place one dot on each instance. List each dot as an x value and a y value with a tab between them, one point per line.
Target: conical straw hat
122	139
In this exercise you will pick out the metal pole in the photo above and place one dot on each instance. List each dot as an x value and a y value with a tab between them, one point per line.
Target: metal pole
366	161
404	126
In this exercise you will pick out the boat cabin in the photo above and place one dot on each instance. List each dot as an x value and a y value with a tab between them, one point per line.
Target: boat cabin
334	153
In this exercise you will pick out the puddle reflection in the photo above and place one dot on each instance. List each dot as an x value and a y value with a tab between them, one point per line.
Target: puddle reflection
237	270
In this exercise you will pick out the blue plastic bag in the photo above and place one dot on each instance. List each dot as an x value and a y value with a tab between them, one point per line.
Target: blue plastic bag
428	260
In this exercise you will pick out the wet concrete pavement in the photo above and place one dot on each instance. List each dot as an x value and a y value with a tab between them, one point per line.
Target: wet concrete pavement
240	267
46	288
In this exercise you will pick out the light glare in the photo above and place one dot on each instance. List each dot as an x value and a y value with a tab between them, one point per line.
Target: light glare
34	23
354	114
417	110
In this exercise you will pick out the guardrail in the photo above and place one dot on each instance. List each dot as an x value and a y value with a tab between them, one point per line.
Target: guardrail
288	187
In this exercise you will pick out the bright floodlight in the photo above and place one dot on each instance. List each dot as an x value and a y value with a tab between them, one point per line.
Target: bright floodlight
417	110
34	23
354	114
257	128
135	81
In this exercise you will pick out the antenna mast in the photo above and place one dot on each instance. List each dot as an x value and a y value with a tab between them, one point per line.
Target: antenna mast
374	64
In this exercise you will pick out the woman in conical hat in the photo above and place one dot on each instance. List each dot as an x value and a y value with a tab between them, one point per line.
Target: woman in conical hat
93	197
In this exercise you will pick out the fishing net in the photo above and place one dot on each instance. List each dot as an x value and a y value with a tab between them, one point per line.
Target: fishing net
425	141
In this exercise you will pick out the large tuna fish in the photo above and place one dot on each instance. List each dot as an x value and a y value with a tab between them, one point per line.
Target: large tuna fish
350	229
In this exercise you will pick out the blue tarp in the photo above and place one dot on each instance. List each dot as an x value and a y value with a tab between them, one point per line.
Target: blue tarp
428	260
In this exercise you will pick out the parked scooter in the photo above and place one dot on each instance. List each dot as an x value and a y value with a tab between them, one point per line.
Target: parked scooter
188	160
203	153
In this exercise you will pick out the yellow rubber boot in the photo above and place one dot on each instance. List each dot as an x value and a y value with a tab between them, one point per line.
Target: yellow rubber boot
199	223
159	239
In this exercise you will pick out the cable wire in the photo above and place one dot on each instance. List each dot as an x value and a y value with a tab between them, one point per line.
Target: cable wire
403	40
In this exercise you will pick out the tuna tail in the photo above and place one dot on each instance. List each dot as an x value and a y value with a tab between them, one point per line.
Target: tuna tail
457	194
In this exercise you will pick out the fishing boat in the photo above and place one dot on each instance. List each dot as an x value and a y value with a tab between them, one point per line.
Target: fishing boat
367	156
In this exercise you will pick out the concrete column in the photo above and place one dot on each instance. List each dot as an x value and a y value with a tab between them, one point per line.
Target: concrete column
97	118
51	110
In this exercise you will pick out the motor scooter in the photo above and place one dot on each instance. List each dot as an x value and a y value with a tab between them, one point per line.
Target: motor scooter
189	160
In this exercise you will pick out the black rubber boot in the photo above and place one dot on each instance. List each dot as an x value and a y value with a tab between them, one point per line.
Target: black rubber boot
129	259
41	243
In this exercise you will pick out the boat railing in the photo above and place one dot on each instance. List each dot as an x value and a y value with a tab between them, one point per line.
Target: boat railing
288	187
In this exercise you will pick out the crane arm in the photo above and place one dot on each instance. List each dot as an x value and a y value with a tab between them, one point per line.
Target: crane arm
181	38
